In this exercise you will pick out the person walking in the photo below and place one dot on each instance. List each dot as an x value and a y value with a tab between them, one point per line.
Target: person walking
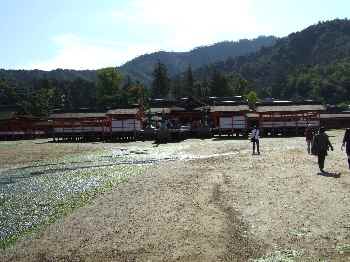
309	135
255	136
321	144
346	143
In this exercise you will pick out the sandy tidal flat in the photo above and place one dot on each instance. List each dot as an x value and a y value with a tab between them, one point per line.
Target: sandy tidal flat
214	201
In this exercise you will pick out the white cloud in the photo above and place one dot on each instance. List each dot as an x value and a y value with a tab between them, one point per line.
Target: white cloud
76	53
184	24
156	25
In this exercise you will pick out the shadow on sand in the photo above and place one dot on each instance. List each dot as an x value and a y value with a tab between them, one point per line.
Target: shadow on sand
221	138
329	174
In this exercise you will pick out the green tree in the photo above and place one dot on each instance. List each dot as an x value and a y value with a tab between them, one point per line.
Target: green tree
219	85
189	88
241	86
252	98
41	100
108	93
8	94
161	81
176	87
136	93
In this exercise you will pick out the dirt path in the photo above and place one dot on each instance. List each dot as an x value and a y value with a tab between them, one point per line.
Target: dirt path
229	207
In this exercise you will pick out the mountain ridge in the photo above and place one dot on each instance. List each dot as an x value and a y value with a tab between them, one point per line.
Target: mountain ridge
303	64
37	74
141	68
176	62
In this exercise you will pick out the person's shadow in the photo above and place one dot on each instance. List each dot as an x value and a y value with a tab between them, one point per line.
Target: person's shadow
329	174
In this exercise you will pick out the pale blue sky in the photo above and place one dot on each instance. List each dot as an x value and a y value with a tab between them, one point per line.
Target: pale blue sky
89	34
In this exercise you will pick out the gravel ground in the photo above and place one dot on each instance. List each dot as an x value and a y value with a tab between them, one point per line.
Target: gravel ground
213	202
33	151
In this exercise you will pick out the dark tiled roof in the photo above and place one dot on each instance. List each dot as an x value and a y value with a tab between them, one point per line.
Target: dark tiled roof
77	115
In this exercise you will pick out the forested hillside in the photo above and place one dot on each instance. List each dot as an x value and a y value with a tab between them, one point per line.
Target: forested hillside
58	74
313	63
141	68
39	92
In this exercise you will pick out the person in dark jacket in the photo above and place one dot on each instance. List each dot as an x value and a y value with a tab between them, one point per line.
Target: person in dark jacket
309	135
255	136
346	143
321	145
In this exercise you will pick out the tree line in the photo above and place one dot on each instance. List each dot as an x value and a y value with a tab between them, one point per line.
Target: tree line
311	64
186	85
113	90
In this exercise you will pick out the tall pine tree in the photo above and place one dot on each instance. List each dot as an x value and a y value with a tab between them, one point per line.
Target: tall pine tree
189	83
219	85
161	81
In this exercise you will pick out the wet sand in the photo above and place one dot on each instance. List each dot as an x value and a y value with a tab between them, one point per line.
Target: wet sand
215	202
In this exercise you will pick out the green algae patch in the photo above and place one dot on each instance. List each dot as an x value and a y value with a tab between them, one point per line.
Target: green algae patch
343	249
281	256
36	192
